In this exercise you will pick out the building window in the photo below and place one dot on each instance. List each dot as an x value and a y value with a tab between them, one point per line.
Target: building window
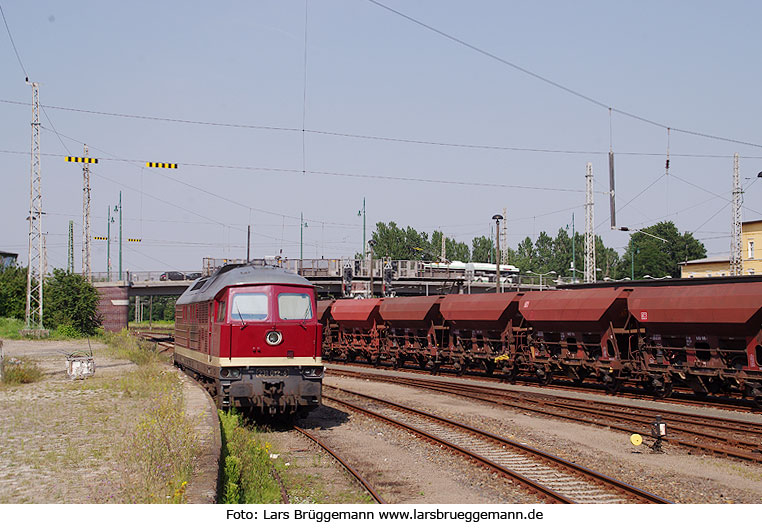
751	249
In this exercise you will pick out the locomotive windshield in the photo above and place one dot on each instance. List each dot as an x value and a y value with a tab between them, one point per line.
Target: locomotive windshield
249	307
294	306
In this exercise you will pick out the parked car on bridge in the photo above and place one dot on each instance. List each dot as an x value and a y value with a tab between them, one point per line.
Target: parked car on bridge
193	276
172	276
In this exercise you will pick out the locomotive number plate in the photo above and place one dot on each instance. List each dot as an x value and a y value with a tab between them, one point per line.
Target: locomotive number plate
271	372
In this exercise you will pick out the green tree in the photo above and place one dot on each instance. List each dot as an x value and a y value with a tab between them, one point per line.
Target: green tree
657	257
524	259
482	249
13	292
400	244
71	300
453	250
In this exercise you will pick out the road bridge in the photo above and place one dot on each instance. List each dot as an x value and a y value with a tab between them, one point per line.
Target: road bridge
333	278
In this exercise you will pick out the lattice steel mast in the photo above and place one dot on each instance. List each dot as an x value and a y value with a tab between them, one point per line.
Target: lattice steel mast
589	227
36	266
736	264
70	255
87	271
504	238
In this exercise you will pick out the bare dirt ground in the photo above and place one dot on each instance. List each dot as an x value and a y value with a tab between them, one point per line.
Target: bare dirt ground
407	470
60	438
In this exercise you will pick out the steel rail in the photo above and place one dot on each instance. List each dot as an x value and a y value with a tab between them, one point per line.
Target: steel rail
598	478
729	403
352	471
561	409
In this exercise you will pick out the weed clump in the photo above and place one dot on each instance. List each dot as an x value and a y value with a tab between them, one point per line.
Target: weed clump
246	470
158	457
20	371
125	345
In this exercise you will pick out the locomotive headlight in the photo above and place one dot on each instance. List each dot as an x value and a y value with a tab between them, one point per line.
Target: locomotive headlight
313	371
273	337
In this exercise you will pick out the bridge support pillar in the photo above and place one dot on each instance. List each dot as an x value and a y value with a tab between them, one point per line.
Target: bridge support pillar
114	305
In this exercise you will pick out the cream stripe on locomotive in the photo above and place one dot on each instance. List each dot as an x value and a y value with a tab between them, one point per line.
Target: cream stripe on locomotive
246	361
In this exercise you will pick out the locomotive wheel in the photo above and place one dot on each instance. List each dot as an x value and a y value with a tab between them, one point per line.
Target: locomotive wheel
489	367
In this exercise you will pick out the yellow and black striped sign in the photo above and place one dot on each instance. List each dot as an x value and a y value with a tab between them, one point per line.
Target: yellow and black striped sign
81	160
100	238
134	240
161	165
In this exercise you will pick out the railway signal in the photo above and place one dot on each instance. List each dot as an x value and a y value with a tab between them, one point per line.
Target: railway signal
161	165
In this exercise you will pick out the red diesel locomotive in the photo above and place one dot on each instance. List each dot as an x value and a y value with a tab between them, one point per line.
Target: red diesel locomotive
250	334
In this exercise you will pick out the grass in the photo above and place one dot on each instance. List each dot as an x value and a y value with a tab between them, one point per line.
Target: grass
156	324
157	457
246	464
21	371
10	328
125	345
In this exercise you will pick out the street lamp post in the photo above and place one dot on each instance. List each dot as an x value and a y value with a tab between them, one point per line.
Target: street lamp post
497	219
362	213
302	225
372	244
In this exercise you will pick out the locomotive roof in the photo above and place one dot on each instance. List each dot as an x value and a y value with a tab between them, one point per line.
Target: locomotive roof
207	288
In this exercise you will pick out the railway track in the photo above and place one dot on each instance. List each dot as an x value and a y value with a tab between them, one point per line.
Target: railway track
549	477
708	434
352	471
679	397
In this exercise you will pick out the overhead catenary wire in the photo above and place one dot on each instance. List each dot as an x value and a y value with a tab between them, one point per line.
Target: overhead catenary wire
555	84
378	137
10	36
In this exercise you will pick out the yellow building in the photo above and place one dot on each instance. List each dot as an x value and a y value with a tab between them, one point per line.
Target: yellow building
751	256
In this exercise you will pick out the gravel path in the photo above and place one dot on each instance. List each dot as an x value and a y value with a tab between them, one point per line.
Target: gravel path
60	438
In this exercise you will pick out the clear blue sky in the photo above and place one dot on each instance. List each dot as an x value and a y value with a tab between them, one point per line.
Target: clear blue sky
688	65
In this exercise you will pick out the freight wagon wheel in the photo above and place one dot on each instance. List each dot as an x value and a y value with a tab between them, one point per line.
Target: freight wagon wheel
663	392
614	386
543	376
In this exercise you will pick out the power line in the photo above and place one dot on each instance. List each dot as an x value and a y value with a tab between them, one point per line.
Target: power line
380	138
555	84
331	173
10	36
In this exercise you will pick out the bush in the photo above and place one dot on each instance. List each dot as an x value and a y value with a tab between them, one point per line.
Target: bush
71	300
11	327
13	292
67	331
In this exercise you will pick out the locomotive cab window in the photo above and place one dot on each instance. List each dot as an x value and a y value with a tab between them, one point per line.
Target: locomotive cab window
221	310
249	307
294	306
